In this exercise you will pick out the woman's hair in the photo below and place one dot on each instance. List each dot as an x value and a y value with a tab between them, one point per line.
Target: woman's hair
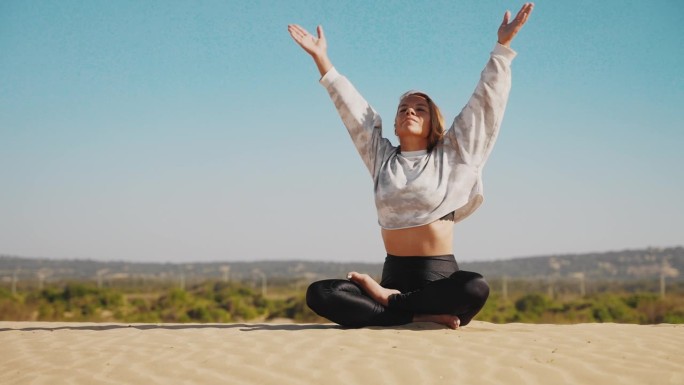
436	118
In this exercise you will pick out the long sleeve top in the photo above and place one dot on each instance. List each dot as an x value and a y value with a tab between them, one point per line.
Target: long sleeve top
414	191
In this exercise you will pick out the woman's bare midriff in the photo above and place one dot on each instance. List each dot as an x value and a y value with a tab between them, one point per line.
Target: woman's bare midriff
432	239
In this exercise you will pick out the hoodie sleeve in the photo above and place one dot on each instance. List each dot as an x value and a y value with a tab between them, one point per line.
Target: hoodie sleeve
476	127
360	119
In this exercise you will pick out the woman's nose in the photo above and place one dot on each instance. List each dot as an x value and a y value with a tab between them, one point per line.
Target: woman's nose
410	111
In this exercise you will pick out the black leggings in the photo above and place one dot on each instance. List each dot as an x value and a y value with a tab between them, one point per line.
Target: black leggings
428	285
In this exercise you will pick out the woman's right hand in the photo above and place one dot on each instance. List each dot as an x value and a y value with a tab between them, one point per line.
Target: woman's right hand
316	47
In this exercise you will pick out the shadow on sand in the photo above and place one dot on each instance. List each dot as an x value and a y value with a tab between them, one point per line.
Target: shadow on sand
246	327
104	327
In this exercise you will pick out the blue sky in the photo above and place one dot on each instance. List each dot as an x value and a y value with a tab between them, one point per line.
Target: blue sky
183	131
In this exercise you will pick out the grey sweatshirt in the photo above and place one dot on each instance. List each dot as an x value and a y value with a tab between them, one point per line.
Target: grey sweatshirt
414	191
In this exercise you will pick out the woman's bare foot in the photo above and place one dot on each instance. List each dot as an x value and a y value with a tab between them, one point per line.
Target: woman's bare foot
372	288
448	320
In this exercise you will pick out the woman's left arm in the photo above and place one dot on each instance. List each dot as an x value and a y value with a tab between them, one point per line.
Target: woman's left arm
475	129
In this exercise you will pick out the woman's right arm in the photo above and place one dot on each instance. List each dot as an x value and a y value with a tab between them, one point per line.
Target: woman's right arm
360	119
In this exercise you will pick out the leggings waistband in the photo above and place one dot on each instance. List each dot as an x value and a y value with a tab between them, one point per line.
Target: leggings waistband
433	262
445	257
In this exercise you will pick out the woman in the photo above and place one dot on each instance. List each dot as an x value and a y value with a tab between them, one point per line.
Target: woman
432	180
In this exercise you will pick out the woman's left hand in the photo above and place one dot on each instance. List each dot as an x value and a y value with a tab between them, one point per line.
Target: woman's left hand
507	31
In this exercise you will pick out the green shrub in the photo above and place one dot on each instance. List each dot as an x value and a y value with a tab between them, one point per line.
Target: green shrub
532	303
610	308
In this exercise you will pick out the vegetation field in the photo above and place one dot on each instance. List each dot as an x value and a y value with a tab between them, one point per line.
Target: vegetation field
140	301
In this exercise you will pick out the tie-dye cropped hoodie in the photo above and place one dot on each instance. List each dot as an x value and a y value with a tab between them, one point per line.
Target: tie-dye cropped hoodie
414	191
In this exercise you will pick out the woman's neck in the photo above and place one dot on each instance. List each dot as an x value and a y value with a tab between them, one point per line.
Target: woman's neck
413	144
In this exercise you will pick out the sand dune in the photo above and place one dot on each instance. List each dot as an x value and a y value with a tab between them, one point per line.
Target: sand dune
481	353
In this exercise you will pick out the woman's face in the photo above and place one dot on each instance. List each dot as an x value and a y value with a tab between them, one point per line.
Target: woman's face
413	117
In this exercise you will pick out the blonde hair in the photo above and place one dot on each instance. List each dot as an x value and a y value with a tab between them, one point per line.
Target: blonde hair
436	118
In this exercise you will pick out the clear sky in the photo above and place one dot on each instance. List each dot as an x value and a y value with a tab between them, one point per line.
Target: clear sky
196	131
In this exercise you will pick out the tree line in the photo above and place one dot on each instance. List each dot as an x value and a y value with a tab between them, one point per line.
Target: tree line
215	301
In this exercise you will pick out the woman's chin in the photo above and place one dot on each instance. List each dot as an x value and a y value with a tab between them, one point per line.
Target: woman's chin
411	131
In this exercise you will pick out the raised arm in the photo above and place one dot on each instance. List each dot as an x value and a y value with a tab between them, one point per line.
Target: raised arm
476	127
316	47
360	119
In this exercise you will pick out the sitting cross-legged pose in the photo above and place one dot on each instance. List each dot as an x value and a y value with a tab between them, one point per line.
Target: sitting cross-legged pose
432	180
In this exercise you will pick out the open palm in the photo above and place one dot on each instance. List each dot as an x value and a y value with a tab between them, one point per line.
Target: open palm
312	45
507	31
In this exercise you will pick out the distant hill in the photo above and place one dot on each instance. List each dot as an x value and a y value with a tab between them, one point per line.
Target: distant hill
616	265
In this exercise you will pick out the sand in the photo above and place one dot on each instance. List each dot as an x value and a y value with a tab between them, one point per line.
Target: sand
421	353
